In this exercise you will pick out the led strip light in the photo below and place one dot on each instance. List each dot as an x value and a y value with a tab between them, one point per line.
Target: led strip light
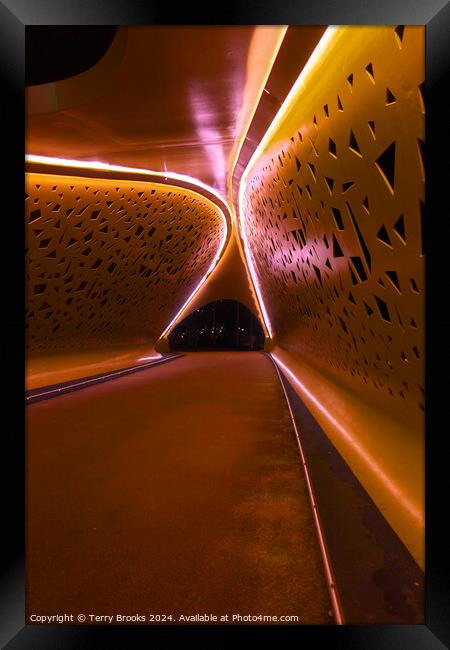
101	166
412	510
331	582
250	271
214	263
97	379
315	56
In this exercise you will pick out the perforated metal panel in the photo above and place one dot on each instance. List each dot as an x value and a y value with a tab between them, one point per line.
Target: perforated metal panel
333	211
111	262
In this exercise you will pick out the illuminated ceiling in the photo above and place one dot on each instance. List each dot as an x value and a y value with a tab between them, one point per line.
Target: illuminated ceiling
169	98
162	98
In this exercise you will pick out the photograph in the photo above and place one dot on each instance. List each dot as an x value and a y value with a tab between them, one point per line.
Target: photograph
225	316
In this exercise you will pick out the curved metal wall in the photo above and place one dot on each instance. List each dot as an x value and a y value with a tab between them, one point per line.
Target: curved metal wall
111	262
332	207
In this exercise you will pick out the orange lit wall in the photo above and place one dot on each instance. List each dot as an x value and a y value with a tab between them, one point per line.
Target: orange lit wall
109	263
331	205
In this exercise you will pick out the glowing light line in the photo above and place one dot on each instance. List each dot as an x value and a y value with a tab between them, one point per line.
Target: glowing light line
201	283
251	268
316	55
262	88
101	166
98	379
320	534
412	510
235	158
313	59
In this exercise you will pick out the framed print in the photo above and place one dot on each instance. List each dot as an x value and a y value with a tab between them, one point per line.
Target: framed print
222	345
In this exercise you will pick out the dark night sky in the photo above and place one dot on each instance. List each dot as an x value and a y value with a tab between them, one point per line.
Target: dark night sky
224	317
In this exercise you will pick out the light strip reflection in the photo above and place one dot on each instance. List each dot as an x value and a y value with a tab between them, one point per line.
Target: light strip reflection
322	543
373	466
251	268
95	380
313	59
150	358
200	284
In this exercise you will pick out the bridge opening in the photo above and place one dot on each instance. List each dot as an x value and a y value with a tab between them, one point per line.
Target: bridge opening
219	325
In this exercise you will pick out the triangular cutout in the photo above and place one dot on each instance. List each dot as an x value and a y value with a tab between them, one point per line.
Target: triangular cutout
399	228
337	250
421	91
330	183
350	80
386	166
369	309
318	274
347	186
399	32
339	103
332	147
383	309
383	236
390	97
369	70
353	144
338	218
393	277
371	124
362	242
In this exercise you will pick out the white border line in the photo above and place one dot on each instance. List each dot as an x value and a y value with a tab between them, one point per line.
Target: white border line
331	582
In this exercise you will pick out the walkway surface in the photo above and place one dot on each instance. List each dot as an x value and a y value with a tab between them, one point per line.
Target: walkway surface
176	490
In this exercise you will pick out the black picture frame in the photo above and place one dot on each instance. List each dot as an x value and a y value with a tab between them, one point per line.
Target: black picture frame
15	16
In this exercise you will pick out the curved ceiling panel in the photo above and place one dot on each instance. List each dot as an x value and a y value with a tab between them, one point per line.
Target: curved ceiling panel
170	101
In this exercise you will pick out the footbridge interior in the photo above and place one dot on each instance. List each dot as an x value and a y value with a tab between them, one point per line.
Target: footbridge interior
270	179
